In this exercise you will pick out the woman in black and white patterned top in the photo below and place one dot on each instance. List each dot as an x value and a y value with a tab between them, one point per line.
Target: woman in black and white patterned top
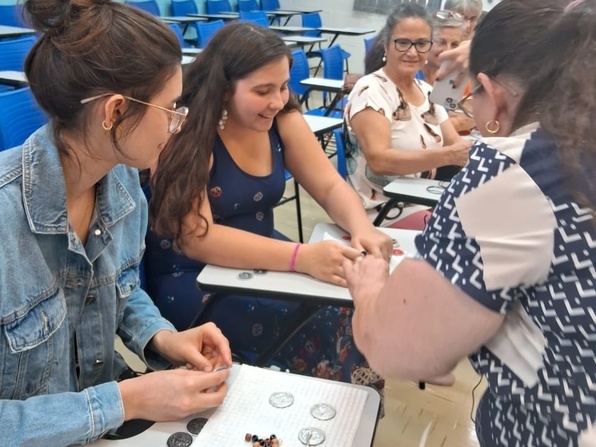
506	265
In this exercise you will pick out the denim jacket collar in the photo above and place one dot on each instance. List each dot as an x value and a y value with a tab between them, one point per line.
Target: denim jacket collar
44	191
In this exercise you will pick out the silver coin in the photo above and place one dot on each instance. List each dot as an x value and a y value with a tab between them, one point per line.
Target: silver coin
244	275
322	412
195	425
281	399
259	272
311	436
180	439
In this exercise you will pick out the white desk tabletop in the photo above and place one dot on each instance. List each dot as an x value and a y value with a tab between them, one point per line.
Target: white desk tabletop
303	39
321	124
291	29
183	19
158	433
292	285
13	31
415	190
324	83
13	77
348	30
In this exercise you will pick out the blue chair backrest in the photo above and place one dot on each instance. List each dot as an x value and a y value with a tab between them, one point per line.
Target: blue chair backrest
215	6
248	5
340	149
12	15
14	51
259	17
184	7
20	117
368	43
178	31
298	72
270	5
333	62
207	30
150	6
312	20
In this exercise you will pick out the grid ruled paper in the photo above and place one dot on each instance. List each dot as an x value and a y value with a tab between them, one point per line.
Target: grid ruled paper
246	409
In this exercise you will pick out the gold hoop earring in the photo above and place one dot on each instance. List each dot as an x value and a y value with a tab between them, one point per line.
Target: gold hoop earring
496	126
106	127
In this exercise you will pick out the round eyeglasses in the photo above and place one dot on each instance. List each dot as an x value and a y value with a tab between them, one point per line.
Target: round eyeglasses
445	14
422	46
177	115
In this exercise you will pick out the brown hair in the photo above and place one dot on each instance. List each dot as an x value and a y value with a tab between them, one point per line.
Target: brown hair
90	47
236	51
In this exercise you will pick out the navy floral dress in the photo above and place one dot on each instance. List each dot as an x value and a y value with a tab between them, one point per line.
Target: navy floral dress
324	347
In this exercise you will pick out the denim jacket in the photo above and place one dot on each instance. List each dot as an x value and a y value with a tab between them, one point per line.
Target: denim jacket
61	301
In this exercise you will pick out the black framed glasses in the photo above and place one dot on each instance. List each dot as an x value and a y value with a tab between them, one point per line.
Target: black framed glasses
177	115
465	105
403	45
445	14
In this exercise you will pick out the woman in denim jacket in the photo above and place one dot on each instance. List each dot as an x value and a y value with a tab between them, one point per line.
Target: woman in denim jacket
74	222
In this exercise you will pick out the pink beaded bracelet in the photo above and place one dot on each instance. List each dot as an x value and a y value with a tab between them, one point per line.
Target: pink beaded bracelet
293	260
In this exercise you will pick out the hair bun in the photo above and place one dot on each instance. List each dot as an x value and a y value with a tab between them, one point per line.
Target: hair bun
52	16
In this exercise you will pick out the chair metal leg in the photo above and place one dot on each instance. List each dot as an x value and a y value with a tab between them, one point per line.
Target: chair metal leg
387	206
298	211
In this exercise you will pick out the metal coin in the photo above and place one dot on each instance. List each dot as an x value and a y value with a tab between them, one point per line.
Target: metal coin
281	399
311	436
322	412
196	425
244	275
180	439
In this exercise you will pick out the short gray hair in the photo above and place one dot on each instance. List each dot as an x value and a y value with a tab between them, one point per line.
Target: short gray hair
463	6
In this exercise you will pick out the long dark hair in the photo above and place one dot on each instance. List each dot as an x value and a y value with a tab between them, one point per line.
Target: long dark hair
236	51
552	55
90	47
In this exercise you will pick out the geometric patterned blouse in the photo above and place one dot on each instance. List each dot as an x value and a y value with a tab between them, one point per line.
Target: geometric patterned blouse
511	234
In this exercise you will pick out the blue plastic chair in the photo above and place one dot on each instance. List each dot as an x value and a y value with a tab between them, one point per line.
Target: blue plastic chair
217	6
340	150
207	30
149	6
184	7
12	15
368	43
299	71
259	17
20	117
313	20
14	51
248	5
178	31
332	60
270	5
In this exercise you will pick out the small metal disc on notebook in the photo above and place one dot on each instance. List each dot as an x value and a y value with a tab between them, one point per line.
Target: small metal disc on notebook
259	272
281	399
195	425
244	275
322	412
180	439
311	436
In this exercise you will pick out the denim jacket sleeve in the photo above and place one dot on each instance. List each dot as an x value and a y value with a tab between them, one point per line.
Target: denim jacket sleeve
48	420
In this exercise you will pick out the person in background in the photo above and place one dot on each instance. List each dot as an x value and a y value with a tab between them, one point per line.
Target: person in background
505	267
392	127
213	196
471	10
447	35
73	229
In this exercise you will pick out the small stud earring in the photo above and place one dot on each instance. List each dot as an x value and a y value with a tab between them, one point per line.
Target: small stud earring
222	121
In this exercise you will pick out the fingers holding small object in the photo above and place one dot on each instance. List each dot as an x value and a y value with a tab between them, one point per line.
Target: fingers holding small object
363	252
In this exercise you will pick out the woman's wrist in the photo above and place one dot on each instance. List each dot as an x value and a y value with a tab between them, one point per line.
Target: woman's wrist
292	267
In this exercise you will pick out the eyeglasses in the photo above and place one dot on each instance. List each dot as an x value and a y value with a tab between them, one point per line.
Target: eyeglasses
177	115
422	46
465	105
445	14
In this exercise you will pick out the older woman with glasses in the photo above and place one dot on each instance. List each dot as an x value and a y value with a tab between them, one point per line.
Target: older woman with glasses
471	10
393	128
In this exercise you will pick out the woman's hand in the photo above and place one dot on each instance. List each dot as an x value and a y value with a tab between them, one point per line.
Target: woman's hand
366	276
202	348
373	241
172	395
323	260
460	58
459	152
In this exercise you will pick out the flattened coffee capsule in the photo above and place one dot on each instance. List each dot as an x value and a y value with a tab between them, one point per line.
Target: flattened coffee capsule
322	412
281	399
180	439
311	436
196	425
